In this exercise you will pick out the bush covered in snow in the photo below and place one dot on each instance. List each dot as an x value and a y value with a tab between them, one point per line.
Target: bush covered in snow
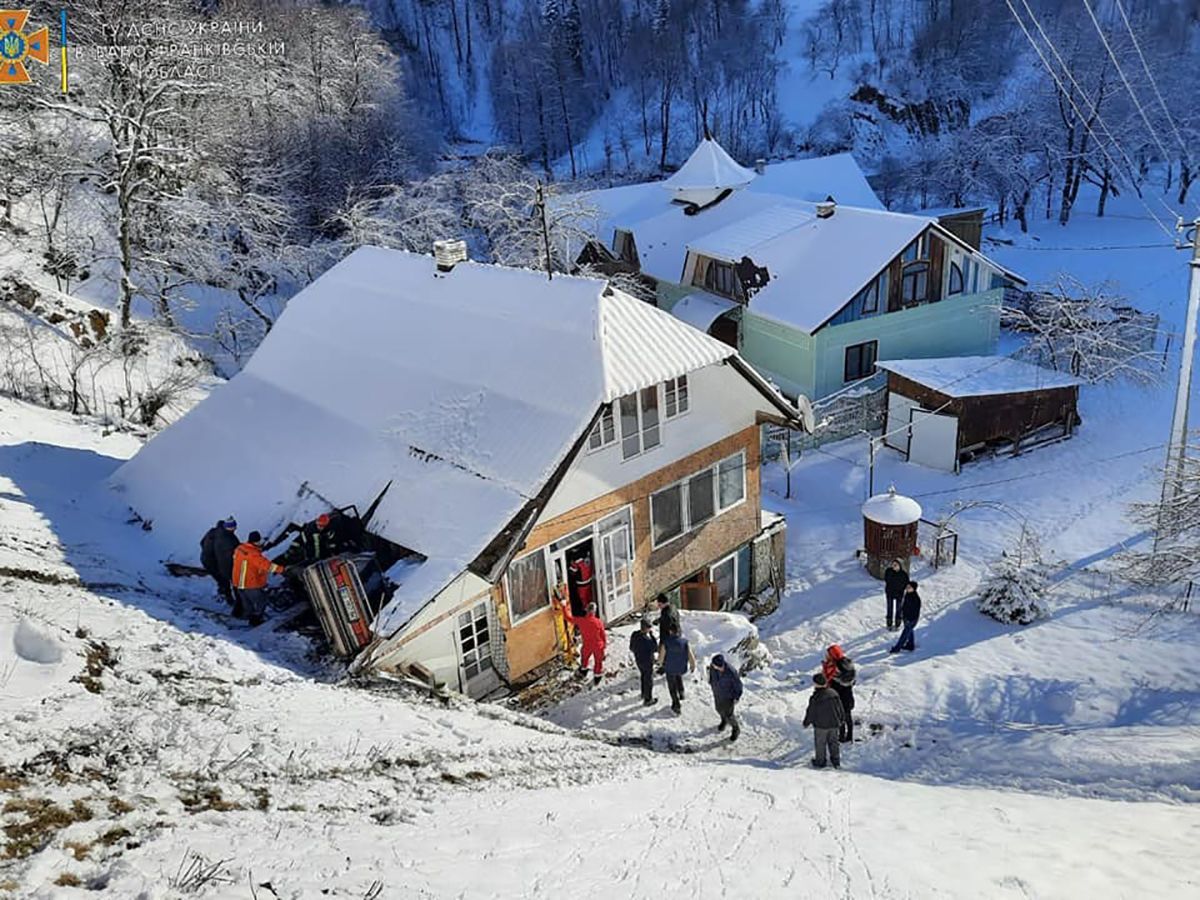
1014	592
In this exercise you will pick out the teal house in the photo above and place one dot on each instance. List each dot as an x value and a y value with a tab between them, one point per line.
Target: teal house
812	290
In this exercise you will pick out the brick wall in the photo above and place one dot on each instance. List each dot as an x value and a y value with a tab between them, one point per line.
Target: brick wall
532	641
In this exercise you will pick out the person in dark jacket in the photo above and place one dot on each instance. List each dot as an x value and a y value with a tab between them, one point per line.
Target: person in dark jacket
668	618
216	555
726	686
895	579
840	674
910	613
675	657
644	647
825	715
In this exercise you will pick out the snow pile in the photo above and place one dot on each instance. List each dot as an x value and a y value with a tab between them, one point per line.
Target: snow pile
1014	592
36	645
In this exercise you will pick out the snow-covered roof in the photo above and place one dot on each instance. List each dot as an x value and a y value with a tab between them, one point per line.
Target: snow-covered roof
465	390
700	310
818	265
892	509
978	376
707	172
837	176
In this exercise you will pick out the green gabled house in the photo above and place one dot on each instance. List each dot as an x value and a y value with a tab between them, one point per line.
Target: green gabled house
810	291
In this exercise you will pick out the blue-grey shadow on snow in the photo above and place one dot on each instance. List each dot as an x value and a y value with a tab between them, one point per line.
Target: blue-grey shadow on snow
116	559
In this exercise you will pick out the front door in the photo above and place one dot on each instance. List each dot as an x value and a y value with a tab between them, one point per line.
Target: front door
475	651
616	573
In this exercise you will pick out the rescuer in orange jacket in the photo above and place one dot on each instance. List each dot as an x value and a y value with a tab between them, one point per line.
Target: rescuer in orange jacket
595	639
251	570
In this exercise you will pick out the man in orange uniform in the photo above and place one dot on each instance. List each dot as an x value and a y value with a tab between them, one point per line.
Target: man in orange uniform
251	569
595	639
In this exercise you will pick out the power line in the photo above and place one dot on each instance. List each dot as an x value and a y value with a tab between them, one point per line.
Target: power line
1125	80
1075	107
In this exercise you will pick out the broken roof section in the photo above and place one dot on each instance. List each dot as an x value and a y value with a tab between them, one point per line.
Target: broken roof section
708	173
464	389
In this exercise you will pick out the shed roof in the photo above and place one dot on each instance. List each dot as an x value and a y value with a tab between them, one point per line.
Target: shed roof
466	390
978	376
707	172
891	508
700	310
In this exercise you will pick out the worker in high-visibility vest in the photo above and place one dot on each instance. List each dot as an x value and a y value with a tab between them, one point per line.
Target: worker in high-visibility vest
564	626
251	571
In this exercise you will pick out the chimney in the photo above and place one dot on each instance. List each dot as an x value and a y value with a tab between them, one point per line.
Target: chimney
449	253
760	166
825	209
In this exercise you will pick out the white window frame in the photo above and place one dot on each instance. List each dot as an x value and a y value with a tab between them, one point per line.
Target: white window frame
685	499
641	424
610	413
513	619
713	578
673	385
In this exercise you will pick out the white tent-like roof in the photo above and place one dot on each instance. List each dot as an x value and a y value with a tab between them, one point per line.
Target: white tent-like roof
707	173
466	390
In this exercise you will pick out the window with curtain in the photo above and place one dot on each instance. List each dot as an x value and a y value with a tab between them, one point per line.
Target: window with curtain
528	590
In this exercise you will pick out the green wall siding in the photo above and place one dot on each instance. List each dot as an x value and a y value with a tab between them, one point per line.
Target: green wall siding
814	364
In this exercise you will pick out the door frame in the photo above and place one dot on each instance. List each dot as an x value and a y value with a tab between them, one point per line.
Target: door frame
492	679
609	596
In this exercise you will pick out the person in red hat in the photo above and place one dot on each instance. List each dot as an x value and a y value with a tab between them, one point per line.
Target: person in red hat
317	539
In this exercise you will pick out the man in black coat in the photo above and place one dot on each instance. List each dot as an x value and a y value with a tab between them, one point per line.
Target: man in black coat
644	647
668	618
726	686
895	579
216	554
910	613
825	715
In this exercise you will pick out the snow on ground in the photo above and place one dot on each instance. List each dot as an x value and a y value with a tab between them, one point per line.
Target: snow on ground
169	753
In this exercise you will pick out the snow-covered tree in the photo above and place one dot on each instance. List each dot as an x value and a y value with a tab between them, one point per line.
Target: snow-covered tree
1173	556
1014	591
1090	331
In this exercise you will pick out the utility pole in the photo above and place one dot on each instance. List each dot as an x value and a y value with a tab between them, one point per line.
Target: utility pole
541	205
1177	449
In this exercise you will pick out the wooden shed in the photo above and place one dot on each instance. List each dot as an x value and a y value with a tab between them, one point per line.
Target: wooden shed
941	412
890	530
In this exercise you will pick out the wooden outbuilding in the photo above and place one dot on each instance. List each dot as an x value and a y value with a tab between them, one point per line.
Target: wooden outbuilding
890	530
941	412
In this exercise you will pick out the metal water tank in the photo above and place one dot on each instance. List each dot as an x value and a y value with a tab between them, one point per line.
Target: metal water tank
890	530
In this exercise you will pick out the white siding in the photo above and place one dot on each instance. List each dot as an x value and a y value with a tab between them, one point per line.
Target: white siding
722	403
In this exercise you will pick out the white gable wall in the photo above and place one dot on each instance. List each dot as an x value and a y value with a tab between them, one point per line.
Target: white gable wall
721	402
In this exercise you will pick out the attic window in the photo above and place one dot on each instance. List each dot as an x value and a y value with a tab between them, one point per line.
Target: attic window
720	278
676	396
639	422
604	432
914	287
956	279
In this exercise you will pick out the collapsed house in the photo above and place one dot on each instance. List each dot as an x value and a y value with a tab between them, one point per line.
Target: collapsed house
521	423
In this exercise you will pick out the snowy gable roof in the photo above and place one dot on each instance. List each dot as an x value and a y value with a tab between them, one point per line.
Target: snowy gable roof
978	376
819	265
465	390
816	178
707	172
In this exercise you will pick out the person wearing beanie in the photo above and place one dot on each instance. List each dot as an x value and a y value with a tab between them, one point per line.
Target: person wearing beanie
895	579
825	715
644	647
251	571
216	554
726	686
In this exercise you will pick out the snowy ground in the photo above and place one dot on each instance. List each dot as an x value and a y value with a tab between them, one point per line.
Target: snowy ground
150	749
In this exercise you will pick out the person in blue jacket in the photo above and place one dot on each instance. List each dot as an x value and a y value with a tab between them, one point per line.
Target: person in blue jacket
726	686
676	658
644	647
910	613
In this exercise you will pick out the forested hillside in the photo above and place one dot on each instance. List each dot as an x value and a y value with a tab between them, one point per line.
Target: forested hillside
211	157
